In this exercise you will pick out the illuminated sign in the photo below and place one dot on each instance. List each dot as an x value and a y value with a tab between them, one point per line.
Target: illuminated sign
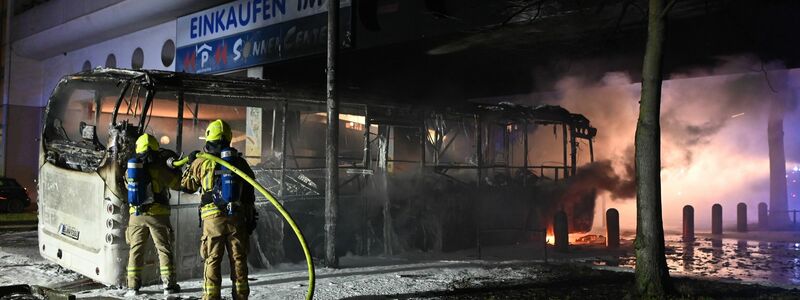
251	32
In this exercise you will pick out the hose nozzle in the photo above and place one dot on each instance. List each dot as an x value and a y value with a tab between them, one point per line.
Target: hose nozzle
172	163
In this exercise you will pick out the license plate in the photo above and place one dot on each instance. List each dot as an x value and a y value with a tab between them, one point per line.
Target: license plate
69	231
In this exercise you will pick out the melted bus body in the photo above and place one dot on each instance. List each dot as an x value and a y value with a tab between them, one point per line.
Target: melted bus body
392	159
92	121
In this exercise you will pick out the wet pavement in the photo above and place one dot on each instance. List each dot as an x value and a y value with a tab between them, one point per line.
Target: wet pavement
774	263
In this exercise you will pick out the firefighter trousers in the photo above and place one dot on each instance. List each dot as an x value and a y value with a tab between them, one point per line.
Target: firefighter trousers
140	229
224	233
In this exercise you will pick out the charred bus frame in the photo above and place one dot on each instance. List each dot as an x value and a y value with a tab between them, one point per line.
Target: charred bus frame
437	132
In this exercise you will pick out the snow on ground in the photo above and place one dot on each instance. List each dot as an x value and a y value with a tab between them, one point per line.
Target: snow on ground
391	276
20	262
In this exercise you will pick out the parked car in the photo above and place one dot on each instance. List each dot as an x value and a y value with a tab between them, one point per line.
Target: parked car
13	197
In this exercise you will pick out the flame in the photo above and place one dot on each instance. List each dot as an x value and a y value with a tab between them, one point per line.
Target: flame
572	238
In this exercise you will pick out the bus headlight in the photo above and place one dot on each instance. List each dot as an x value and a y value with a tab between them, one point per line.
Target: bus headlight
111	224
111	208
110	238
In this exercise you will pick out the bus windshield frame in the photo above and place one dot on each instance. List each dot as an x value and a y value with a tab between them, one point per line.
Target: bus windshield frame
92	115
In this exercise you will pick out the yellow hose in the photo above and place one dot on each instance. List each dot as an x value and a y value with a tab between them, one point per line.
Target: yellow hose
277	205
180	162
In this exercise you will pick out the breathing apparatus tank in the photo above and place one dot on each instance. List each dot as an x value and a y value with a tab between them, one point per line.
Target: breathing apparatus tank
137	184
230	185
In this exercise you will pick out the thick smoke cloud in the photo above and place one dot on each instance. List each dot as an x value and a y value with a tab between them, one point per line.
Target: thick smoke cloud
600	175
714	136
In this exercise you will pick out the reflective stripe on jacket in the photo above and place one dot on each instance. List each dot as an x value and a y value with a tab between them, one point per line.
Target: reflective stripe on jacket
209	210
199	176
155	209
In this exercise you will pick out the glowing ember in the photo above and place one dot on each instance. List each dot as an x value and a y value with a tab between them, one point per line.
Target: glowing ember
590	239
737	115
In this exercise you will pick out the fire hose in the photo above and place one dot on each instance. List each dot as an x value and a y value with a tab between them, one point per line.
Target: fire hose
278	206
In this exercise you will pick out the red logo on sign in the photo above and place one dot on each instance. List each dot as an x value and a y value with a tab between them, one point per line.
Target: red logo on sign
189	61
221	55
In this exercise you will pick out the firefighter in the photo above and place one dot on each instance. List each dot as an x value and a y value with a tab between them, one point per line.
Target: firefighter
149	179
227	223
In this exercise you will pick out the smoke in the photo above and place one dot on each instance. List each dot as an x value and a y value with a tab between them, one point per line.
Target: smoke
714	136
600	175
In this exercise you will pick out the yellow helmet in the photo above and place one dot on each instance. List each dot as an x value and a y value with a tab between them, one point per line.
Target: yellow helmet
218	130
146	142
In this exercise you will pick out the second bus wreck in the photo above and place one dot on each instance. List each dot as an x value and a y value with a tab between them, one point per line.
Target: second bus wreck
434	179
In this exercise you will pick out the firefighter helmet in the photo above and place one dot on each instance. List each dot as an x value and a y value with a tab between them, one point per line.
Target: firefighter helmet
218	130
146	142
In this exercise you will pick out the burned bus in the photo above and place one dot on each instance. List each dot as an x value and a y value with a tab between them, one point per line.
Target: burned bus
411	177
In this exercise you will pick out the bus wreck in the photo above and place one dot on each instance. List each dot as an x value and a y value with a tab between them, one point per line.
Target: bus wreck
412	178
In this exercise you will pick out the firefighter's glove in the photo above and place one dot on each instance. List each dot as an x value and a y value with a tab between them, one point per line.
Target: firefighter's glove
170	163
193	156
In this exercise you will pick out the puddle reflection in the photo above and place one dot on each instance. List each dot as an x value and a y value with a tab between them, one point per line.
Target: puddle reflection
776	262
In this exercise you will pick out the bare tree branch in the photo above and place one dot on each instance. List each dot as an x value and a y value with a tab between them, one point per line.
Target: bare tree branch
668	8
523	9
622	15
639	8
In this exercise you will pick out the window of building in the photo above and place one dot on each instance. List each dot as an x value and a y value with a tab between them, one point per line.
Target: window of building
111	61
137	60
168	53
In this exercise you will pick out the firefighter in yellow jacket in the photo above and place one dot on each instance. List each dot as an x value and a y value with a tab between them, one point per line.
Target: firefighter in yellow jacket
227	222
149	212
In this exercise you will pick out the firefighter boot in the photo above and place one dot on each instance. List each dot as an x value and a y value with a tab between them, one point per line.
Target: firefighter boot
171	288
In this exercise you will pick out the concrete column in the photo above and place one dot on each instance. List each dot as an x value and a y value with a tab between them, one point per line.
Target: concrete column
688	223
741	217
763	221
716	219
561	231
717	243
6	38
612	228
778	200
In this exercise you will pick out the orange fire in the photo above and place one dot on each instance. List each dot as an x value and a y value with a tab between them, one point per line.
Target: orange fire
574	238
550	237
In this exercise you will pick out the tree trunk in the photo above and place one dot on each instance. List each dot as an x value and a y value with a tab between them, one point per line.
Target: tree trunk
652	275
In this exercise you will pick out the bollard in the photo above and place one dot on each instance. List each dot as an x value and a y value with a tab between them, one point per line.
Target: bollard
612	228
561	231
688	223
741	217
763	221
741	248
716	219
